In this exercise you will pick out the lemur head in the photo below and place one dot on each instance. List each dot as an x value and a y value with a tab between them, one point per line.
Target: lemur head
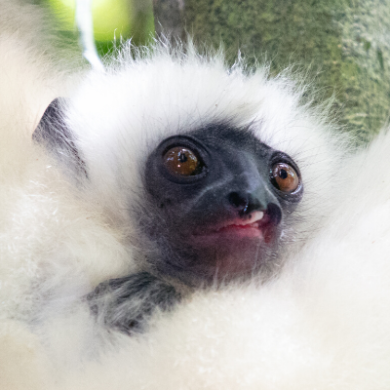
212	173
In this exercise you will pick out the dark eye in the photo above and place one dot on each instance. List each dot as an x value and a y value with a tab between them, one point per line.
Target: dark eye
284	177
182	161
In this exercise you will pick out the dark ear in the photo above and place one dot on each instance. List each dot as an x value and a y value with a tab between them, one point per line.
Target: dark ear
53	133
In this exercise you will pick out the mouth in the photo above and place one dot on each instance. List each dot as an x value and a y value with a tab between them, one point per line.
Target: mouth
233	245
256	225
250	226
236	246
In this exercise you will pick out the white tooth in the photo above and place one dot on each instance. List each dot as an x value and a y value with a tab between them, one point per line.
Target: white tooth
256	216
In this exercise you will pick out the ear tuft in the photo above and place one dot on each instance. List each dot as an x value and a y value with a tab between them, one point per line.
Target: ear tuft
53	133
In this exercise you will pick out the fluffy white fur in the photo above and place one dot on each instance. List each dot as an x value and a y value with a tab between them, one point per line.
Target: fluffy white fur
322	322
119	117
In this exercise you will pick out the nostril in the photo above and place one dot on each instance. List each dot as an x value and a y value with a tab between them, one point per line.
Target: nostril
238	201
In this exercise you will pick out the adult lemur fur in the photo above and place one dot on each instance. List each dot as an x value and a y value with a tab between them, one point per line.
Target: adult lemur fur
102	227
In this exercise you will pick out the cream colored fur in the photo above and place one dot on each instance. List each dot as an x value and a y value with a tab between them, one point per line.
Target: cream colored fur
321	321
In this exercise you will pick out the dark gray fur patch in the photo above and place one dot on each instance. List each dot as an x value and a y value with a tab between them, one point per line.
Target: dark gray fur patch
128	303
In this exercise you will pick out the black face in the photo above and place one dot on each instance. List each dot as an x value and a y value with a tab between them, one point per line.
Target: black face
219	199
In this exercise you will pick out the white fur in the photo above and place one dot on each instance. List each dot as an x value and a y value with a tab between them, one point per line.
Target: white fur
324	324
120	116
321	323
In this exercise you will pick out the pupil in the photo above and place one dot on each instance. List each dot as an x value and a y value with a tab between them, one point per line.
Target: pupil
182	157
283	174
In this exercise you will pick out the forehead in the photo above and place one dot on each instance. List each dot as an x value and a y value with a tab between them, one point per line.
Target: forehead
163	97
223	136
125	114
168	94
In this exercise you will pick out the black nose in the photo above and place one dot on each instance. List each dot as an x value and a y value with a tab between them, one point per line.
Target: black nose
245	202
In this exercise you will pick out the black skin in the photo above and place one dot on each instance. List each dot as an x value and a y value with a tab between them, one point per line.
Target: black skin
233	183
180	215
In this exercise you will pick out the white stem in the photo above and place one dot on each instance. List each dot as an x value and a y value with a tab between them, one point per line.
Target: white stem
85	27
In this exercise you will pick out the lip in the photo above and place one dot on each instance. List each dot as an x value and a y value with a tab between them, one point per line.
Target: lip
251	226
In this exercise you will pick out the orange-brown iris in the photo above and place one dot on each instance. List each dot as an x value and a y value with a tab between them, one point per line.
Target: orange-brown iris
285	177
181	161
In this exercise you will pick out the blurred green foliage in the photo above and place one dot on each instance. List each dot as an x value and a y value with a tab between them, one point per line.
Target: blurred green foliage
113	20
344	45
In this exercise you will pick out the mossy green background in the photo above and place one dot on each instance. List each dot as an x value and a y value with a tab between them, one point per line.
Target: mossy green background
343	44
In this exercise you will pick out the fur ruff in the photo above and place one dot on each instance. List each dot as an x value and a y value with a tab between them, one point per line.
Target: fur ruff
320	322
